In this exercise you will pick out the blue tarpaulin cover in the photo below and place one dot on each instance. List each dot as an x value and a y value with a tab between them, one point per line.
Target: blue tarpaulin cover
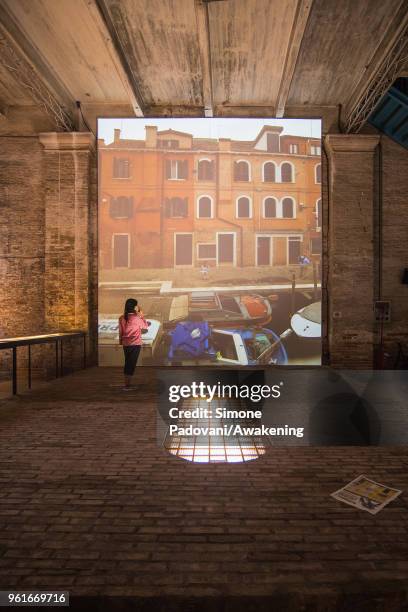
190	337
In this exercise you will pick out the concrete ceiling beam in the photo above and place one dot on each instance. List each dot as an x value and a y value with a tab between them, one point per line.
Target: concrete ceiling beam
298	29
106	26
203	30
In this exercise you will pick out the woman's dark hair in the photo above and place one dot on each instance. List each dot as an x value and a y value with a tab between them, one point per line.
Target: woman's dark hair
130	306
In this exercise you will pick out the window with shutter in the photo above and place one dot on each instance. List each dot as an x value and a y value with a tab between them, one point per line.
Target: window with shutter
205	170
244	208
205	208
121	207
176	169
294	249
269	174
121	167
241	171
286	173
288	208
270	208
177	207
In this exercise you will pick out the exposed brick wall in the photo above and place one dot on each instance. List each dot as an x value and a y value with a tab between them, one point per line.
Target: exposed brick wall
395	238
67	216
22	233
71	232
93	261
351	274
354	253
48	236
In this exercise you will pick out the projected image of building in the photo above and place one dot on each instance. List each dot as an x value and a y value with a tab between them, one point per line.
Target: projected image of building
176	201
209	233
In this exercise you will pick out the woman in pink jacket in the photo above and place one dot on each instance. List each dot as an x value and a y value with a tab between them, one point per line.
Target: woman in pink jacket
131	326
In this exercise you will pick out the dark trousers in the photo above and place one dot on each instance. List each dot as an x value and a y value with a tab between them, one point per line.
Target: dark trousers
131	357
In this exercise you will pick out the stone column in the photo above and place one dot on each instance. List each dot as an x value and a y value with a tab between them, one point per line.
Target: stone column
351	269
70	235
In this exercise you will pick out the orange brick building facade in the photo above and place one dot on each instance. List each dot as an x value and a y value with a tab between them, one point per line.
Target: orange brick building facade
173	200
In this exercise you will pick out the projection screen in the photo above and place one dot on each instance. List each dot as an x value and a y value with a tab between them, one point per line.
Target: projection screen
215	227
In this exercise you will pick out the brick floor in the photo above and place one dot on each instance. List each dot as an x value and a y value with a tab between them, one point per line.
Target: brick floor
91	504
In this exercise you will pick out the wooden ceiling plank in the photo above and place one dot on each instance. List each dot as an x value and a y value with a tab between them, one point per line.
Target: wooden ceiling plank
249	42
299	25
100	14
338	43
203	31
159	38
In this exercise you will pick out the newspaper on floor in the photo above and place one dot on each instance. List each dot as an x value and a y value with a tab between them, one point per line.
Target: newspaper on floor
366	494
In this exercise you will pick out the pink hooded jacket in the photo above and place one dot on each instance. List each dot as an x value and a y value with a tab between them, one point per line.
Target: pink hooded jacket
130	331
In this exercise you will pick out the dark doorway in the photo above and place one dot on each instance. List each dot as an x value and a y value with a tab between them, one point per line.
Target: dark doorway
294	250
225	248
121	250
183	249
263	251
